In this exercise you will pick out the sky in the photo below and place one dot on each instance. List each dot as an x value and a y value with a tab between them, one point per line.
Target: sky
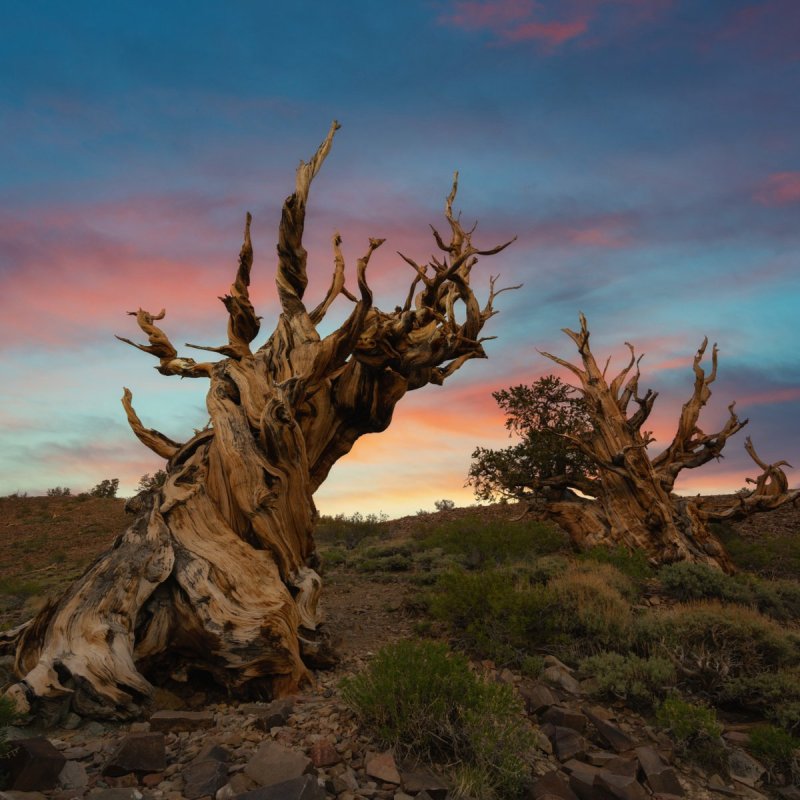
644	152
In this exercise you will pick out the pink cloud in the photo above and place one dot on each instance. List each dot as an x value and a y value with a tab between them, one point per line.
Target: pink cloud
606	231
512	21
779	189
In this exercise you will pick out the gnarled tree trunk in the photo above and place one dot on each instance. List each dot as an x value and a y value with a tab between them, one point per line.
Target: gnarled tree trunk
217	572
630	501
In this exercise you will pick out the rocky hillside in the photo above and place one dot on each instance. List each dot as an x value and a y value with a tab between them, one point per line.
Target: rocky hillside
387	582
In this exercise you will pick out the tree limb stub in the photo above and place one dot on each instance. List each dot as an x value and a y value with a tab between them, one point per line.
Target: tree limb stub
216	575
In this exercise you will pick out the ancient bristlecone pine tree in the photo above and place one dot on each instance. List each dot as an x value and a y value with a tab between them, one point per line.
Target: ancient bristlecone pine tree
216	574
630	500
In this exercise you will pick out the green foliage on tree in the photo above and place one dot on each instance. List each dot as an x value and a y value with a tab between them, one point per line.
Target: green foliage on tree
59	491
149	482
106	488
543	415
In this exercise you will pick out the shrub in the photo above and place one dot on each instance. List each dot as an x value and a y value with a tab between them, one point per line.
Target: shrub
59	491
695	731
425	701
591	610
479	543
777	750
495	614
638	681
633	563
106	488
8	716
444	505
775	695
148	482
688	581
349	531
768	555
714	643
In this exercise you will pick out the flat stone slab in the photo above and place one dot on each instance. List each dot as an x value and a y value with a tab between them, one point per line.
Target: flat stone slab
272	715
552	786
273	763
203	778
139	753
383	768
563	717
537	698
423	780
32	764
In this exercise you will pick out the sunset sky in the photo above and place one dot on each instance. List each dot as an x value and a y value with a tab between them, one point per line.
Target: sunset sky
645	152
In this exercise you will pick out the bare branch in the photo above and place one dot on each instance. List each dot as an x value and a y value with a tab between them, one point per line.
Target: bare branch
291	278
161	347
156	441
337	283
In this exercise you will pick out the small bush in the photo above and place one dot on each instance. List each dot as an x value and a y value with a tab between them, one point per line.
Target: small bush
777	750
641	682
687	581
775	695
390	563
480	543
633	563
349	531
495	614
444	505
591	610
695	731
148	482
425	701
715	643
106	488
777	556
59	491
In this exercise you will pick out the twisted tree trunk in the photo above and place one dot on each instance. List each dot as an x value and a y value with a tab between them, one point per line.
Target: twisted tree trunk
630	501
217	573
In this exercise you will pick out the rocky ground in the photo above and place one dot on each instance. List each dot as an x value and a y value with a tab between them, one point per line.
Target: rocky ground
312	747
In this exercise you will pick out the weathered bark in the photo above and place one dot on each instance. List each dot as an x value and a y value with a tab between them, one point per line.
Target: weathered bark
217	572
631	502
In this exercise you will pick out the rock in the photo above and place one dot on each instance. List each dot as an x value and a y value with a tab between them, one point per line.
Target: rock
610	734
744	768
660	777
716	784
619	787
273	763
383	767
175	721
622	765
73	776
32	764
324	754
117	794
203	778
581	782
551	786
71	721
537	697
304	788
566	742
562	678
269	716
12	795
423	780
599	758
139	753
212	752
563	717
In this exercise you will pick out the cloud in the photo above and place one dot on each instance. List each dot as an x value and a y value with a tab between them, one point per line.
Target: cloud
779	189
547	23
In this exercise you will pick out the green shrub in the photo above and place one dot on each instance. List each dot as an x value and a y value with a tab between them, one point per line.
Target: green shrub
494	613
349	531
775	695
590	610
392	563
777	750
335	557
106	488
641	682
687	581
715	643
480	543
425	702
695	731
633	563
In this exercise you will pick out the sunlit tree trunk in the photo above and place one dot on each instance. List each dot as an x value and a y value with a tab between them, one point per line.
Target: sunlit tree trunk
217	572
